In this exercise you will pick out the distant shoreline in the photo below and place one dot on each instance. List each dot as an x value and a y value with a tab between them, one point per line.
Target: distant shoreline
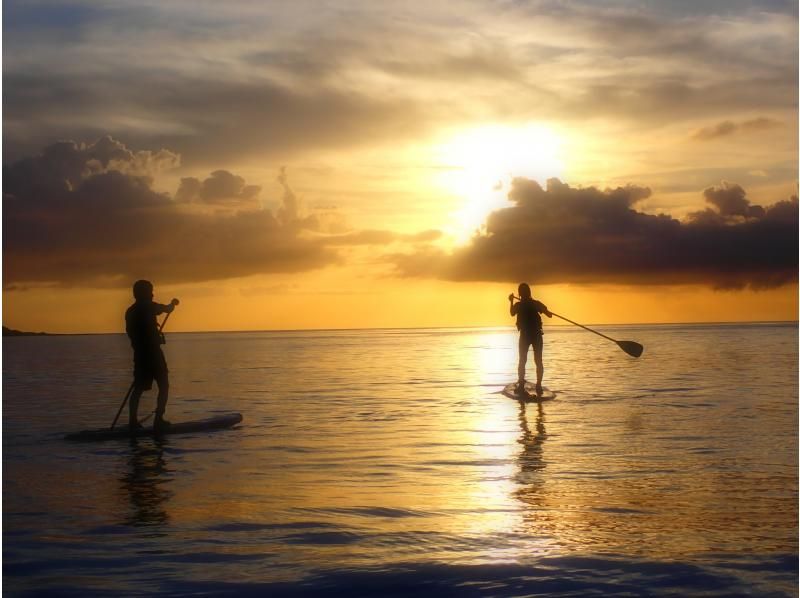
11	332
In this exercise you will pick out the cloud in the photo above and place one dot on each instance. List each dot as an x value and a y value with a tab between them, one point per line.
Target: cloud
719	130
221	188
727	127
64	165
291	206
729	201
87	214
562	234
206	117
382	237
225	80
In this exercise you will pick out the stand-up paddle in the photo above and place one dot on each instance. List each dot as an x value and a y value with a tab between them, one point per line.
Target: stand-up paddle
130	389
630	347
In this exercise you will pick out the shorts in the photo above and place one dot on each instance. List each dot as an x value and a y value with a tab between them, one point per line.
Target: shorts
527	340
148	367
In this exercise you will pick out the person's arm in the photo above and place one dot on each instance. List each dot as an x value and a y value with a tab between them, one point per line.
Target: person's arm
543	309
130	330
159	308
512	307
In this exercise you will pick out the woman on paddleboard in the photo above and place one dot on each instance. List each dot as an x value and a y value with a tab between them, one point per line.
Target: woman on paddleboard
529	324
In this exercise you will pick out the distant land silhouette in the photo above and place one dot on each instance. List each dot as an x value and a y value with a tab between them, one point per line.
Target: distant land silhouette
11	332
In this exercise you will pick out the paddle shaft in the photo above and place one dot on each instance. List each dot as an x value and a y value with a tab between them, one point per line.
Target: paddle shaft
130	390
584	327
125	400
160	328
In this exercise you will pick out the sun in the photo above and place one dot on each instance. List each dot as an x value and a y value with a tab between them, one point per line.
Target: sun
478	164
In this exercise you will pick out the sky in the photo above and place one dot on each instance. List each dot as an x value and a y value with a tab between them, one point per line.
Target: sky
286	165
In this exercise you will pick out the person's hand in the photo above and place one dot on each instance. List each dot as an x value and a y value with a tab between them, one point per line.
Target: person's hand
548	314
171	306
511	297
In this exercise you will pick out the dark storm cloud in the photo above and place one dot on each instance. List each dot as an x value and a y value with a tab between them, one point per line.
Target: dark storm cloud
87	214
584	235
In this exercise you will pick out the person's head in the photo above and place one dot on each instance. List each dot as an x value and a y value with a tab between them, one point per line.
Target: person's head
143	290
524	290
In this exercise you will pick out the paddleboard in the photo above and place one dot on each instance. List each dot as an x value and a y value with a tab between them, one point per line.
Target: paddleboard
219	422
510	391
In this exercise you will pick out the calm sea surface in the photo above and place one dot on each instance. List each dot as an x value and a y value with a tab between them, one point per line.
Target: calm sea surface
386	463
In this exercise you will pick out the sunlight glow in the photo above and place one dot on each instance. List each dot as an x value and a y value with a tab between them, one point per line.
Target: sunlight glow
480	163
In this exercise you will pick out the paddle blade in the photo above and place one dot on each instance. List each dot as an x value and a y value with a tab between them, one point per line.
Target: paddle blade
631	348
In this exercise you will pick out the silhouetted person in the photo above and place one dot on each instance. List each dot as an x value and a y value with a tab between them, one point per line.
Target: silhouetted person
148	359
529	324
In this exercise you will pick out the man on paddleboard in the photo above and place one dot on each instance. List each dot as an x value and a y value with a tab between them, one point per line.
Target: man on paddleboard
149	362
529	324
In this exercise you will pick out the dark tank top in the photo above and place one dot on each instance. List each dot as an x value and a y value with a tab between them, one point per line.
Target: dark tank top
529	322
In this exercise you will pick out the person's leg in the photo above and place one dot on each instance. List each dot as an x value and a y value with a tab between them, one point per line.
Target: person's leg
133	404
142	381
523	360
538	345
161	400
162	379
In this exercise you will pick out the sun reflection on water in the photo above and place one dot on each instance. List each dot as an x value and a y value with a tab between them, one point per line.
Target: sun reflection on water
382	448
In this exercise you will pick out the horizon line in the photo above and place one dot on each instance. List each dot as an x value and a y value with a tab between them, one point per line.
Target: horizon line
378	328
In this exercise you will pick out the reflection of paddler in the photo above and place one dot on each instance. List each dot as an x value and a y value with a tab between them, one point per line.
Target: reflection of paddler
144	483
531	457
530	478
529	324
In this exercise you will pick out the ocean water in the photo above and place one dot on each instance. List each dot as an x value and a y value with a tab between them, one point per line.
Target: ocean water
386	462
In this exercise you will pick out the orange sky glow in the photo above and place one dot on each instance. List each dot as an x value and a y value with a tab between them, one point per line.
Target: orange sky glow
277	167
